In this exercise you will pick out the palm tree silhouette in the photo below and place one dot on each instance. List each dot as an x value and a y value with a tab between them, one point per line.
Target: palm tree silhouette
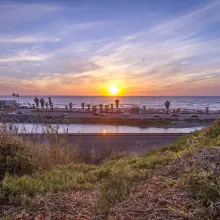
106	108
36	100
112	107
83	106
14	95
51	106
89	107
71	106
17	95
46	104
101	107
117	103
94	108
207	110
42	102
50	101
167	105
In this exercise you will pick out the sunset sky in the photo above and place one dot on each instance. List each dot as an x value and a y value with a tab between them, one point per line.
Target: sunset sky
88	47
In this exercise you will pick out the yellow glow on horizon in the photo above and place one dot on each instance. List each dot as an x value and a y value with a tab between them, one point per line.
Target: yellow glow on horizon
113	90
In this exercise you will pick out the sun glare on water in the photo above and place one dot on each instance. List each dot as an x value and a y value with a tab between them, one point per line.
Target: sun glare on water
113	90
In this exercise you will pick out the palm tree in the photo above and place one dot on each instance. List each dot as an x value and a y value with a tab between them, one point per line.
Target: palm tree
50	101
89	107
51	106
112	107
42	102
94	108
71	106
83	106
36	100
46	104
106	108
14	95
207	110
167	105
117	103
101	107
17	95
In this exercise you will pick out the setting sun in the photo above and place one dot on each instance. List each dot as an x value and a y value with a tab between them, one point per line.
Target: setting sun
113	90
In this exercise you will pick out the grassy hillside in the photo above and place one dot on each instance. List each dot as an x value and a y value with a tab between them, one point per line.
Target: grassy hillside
179	181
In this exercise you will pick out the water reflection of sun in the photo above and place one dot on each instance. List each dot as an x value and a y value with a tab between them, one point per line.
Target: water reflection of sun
104	131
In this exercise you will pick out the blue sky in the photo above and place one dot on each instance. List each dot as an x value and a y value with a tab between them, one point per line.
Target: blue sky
143	47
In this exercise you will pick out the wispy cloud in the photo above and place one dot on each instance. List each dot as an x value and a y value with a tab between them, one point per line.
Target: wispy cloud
22	58
27	39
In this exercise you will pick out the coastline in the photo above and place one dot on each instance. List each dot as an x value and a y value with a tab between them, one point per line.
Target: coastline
137	120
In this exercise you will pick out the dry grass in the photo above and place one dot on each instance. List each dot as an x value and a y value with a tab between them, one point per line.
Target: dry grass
187	188
69	205
153	199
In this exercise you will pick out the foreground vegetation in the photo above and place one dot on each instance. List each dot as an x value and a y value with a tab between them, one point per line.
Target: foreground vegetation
33	173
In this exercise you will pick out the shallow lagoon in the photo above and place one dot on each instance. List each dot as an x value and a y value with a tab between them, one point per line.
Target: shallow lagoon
91	128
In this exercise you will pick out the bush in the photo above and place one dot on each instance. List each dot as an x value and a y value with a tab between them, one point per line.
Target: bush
60	178
213	131
178	145
14	157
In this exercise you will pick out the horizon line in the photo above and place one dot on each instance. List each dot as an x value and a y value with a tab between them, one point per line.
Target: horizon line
115	96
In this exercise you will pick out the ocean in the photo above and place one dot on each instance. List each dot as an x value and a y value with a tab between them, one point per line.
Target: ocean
185	102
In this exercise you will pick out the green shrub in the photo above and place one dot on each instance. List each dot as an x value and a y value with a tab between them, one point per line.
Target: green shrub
60	178
151	162
213	131
178	145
